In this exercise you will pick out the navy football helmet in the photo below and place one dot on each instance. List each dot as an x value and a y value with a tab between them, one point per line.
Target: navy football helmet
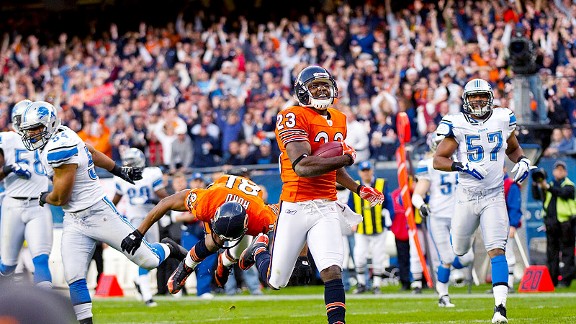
306	77
230	222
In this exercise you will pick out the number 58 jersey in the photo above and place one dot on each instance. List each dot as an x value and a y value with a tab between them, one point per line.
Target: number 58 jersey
296	124
14	151
66	147
481	141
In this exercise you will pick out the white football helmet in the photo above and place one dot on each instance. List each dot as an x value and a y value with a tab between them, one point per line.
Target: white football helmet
133	157
17	112
39	123
481	107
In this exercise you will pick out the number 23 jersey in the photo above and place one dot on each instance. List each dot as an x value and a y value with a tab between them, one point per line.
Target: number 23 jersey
296	124
481	141
66	147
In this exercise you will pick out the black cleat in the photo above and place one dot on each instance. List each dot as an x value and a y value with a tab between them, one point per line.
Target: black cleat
178	278
248	257
176	250
499	315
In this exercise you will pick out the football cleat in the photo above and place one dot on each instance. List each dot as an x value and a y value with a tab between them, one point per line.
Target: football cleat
151	303
360	289
178	278
222	272
248	257
444	301
499	314
176	250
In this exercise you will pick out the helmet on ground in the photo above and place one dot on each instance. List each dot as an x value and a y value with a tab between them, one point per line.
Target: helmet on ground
133	157
478	108
39	122
230	222
307	79
17	112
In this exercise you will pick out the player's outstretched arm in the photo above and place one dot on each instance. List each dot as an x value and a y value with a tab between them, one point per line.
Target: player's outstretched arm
307	165
374	196
128	174
173	202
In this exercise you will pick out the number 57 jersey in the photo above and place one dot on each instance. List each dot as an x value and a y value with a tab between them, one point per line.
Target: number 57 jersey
66	147
481	141
296	124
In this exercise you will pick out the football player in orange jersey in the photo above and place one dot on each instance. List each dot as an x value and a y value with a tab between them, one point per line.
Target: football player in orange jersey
309	213
230	207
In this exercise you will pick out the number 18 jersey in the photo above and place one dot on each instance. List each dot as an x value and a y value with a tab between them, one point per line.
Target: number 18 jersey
296	124
66	147
481	141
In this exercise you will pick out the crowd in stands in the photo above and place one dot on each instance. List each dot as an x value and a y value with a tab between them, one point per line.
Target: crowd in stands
203	91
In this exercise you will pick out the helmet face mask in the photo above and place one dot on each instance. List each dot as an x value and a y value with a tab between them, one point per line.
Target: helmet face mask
315	87
230	222
133	157
482	98
17	113
39	123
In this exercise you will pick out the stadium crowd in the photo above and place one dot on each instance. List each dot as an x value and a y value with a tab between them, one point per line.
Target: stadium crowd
203	91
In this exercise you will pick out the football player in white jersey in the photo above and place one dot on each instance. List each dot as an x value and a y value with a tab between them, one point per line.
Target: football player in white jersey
142	196
88	215
482	136
22	217
438	213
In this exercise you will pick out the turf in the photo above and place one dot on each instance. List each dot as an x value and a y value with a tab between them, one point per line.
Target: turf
306	305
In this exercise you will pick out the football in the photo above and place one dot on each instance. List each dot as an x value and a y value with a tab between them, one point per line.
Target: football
330	149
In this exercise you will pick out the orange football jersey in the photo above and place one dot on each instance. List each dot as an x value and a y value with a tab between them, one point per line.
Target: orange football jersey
203	203
304	124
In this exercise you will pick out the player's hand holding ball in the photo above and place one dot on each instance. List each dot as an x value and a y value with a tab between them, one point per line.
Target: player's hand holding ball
522	169
132	242
350	151
424	211
374	196
472	168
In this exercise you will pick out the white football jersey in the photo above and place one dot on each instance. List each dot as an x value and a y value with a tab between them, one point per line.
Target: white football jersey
481	141
66	147
442	187
141	196
15	152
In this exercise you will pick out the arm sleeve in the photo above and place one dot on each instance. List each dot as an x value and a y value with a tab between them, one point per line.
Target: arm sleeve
514	204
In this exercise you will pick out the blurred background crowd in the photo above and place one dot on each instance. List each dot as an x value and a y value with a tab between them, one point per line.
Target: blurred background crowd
196	90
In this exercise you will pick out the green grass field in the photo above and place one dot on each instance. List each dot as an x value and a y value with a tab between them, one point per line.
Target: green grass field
306	305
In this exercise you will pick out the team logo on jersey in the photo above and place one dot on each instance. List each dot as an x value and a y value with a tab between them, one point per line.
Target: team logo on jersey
191	199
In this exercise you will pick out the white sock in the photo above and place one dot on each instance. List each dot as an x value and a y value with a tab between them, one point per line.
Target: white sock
441	288
166	250
361	278
500	295
377	281
190	263
226	259
83	311
44	284
144	282
511	281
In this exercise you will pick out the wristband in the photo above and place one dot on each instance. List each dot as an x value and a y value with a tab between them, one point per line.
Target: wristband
298	160
358	189
521	157
7	169
42	198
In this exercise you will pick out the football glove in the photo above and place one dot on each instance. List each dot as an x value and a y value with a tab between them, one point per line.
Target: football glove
42	198
128	174
350	151
522	169
20	169
473	169
132	242
302	271
374	196
424	211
